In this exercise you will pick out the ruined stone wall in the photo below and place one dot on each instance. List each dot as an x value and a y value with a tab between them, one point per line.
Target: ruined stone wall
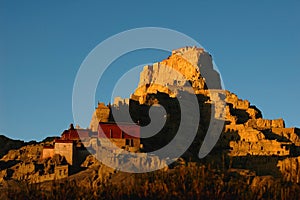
239	111
265	123
254	137
259	148
60	172
43	178
250	141
250	135
67	150
236	102
291	134
128	144
118	101
246	132
234	127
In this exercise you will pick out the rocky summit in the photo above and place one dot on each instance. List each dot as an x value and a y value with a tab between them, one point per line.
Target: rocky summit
254	157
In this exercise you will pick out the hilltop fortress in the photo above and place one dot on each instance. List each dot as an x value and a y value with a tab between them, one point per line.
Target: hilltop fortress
247	142
246	133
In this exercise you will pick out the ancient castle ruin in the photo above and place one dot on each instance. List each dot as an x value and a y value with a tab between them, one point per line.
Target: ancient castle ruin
248	143
246	133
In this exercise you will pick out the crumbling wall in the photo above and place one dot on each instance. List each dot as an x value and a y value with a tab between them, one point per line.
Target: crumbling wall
66	149
263	124
254	113
291	134
250	135
60	172
234	127
118	101
236	102
258	148
127	144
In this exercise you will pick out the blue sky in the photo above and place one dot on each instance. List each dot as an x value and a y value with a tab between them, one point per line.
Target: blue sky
255	45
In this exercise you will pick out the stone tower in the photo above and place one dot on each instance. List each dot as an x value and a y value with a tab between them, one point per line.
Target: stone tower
101	114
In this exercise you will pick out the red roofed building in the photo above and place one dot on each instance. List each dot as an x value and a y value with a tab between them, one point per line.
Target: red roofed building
75	134
66	144
123	135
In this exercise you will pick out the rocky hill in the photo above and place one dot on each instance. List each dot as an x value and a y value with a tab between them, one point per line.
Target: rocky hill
248	141
253	156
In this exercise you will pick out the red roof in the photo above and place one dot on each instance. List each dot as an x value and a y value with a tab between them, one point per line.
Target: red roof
120	130
64	141
75	134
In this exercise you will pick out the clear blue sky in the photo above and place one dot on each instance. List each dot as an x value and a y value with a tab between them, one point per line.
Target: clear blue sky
255	44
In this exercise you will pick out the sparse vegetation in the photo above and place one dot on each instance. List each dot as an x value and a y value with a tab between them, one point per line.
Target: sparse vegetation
184	182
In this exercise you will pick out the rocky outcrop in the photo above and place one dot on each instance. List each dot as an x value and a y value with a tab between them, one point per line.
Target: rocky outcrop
7	144
129	162
90	161
36	170
181	71
26	153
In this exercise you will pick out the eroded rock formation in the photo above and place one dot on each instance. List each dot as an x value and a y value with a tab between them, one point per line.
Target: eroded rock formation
246	132
249	144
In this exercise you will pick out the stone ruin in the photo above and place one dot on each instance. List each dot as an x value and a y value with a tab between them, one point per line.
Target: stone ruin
246	133
251	143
